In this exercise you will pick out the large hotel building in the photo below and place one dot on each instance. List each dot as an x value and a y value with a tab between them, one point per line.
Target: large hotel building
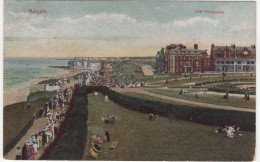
233	58
177	59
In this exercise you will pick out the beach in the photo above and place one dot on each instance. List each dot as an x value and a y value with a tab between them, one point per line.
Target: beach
20	95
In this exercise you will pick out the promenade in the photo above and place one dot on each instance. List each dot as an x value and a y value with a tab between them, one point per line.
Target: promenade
206	105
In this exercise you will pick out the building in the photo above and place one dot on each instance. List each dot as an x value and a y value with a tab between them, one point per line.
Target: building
233	59
178	59
159	61
93	65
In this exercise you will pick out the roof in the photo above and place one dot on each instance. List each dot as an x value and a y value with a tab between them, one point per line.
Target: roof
187	51
237	48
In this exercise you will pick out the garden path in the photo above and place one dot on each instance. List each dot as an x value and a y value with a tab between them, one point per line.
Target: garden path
142	91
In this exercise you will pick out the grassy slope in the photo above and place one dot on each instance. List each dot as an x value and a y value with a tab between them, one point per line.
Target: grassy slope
181	83
16	116
141	139
209	98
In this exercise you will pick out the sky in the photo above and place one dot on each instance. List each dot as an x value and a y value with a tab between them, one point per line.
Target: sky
119	29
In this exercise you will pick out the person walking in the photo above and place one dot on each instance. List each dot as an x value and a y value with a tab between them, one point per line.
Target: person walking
18	153
34	118
24	152
205	91
28	106
107	135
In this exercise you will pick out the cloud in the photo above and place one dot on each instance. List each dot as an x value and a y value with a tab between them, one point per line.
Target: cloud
100	26
242	26
190	21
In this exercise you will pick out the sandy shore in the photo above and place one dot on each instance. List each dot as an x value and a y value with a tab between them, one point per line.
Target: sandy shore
20	95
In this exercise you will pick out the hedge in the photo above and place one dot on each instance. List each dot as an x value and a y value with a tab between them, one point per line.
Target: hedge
216	117
22	133
70	141
225	80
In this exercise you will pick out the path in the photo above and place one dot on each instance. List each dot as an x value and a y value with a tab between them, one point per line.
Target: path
142	91
201	91
34	129
185	78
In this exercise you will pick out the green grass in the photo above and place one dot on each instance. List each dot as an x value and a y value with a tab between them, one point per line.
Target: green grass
41	95
181	83
17	115
141	139
207	98
151	98
128	69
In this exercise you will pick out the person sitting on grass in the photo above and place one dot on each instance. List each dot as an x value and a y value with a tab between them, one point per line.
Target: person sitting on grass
220	130
98	140
225	129
230	131
97	146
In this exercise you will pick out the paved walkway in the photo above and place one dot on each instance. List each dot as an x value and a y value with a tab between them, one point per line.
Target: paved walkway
142	91
34	129
201	91
202	76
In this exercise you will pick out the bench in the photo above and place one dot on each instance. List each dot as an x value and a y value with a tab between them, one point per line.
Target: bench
93	154
113	145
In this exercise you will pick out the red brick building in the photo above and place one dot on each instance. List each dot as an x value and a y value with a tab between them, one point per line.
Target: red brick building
233	58
178	59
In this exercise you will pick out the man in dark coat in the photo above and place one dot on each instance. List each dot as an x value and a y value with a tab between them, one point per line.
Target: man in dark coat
107	135
24	151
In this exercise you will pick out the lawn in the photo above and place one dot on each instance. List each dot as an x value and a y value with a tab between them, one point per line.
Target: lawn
132	73
141	139
207	98
186	81
16	116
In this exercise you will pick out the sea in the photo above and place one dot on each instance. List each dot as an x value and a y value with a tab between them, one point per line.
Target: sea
20	71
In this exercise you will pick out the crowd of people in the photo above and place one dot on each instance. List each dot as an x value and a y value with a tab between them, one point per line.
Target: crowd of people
89	79
228	130
54	112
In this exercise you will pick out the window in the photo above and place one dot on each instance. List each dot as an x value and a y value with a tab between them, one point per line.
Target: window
228	62
177	63
218	62
181	63
219	52
197	63
239	62
252	68
189	57
248	62
232	62
222	62
252	62
238	51
245	53
181	57
176	70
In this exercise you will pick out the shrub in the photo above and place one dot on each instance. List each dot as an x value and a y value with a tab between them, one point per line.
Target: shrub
70	142
245	120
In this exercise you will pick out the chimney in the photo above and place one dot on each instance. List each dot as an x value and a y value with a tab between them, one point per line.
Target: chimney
162	50
233	45
195	46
